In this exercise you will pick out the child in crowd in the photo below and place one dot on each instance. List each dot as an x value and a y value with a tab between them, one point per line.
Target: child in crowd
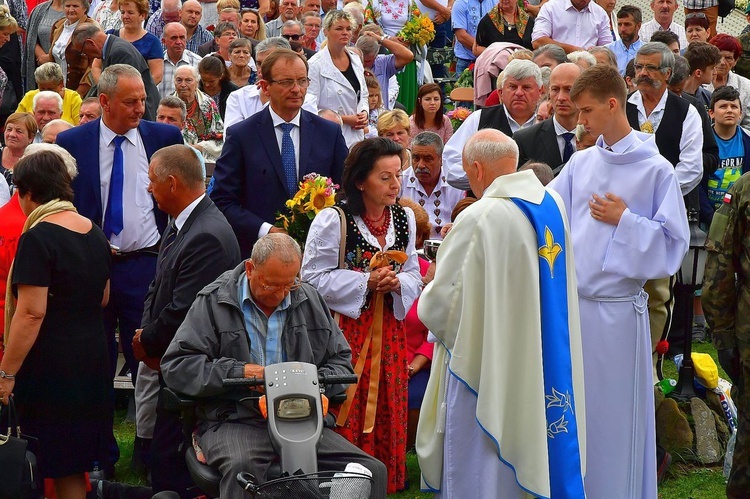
375	99
734	150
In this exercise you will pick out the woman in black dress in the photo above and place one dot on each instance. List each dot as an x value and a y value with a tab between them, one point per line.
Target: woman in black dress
506	22
56	363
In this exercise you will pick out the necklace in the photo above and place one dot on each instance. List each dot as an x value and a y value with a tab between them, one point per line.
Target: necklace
383	229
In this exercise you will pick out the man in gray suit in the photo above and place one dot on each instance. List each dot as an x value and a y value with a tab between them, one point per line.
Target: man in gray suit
196	248
89	39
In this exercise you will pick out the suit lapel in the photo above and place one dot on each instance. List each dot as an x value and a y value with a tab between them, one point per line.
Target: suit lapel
632	112
549	139
305	143
96	178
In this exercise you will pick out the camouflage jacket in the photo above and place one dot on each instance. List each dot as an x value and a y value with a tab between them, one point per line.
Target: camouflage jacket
726	298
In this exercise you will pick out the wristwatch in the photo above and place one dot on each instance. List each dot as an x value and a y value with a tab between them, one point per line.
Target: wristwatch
5	375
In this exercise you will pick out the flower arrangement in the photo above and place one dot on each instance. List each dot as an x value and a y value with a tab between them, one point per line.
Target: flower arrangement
419	29
458	116
466	79
315	193
371	14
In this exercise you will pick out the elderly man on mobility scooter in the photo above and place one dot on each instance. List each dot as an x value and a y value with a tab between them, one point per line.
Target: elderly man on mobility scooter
255	315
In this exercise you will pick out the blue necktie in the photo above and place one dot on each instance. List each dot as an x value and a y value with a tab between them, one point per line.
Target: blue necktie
288	160
569	147
113	219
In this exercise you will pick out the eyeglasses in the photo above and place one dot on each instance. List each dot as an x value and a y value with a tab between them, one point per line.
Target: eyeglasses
648	67
292	37
696	15
302	82
285	287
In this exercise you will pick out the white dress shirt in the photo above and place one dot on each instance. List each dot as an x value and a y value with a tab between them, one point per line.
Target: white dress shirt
561	21
559	131
186	212
139	226
689	170
245	102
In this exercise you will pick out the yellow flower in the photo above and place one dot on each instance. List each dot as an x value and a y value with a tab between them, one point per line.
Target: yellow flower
317	201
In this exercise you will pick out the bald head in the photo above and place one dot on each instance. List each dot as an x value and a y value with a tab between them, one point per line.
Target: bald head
560	82
488	154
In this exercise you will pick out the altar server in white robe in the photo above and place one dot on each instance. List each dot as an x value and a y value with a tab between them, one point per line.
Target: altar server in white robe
628	224
503	414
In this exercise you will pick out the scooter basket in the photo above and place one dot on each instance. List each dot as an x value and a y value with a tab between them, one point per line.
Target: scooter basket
326	484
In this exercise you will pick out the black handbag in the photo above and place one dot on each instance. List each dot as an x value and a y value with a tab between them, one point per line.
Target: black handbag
19	476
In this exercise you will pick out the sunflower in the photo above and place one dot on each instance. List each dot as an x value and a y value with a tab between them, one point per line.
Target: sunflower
317	200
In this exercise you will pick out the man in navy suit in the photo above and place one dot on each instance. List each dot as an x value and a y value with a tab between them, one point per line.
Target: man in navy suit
113	154
266	155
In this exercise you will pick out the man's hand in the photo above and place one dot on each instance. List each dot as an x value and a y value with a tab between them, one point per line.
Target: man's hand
729	359
138	351
608	209
254	371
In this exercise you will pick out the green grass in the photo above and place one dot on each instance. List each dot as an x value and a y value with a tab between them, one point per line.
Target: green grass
684	481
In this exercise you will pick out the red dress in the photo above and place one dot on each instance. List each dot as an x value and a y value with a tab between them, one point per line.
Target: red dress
387	441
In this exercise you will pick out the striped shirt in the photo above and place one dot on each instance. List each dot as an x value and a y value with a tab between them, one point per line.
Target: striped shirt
265	333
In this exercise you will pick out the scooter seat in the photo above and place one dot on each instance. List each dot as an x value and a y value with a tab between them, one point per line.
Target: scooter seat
205	477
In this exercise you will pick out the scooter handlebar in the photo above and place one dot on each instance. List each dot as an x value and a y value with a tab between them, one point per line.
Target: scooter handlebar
326	379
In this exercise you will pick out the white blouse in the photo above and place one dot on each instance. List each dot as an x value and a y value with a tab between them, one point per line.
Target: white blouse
58	50
345	290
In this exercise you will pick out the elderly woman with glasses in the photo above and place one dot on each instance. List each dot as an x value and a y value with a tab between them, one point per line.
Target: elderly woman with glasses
337	77
370	277
731	50
204	128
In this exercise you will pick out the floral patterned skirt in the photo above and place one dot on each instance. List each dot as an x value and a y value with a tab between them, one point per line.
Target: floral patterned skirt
387	441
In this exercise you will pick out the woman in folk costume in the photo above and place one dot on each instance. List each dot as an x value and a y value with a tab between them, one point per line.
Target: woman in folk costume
368	272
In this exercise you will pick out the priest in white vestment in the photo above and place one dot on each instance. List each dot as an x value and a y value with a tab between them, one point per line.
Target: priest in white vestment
628	224
503	415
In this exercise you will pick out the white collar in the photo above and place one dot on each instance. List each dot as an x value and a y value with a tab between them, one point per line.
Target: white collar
186	212
622	145
278	120
559	129
637	99
108	135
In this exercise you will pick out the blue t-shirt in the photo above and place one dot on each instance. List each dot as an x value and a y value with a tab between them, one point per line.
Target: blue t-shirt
731	159
148	45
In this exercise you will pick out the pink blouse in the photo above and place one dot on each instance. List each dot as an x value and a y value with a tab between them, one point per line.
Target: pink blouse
445	131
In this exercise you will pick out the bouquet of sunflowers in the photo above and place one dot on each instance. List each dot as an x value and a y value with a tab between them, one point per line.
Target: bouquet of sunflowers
458	116
315	193
419	29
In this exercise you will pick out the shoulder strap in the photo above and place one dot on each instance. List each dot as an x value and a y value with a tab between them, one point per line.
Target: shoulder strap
342	243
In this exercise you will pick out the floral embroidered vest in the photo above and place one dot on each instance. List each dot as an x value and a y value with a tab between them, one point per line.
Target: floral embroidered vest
359	251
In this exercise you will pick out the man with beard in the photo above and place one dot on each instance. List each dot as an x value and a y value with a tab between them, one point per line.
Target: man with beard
553	140
424	181
521	88
679	137
629	20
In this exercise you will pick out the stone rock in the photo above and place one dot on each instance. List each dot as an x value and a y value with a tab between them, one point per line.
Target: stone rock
707	444
722	430
672	429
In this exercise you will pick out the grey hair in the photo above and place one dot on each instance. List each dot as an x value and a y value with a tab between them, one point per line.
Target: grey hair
272	43
681	71
338	15
486	150
552	51
177	2
520	70
667	57
375	28
279	246
429	139
582	55
84	32
47	94
84	3
174	102
112	74
542	171
55	123
49	72
193	70
368	45
292	23
580	132
323	113
179	161
357	11
611	57
68	159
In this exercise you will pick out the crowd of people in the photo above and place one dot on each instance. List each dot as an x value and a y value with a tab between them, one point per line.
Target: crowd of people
149	148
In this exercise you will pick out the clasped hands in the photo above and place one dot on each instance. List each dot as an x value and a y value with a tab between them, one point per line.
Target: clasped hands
384	280
607	209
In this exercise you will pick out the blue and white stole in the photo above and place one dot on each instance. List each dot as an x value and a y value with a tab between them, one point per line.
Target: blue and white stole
565	476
